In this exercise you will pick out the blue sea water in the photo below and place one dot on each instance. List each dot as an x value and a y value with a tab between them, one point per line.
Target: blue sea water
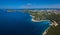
19	23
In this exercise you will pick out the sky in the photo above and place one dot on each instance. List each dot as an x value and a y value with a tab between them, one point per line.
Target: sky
18	4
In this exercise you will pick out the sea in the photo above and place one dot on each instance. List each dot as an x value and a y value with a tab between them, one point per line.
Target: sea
20	23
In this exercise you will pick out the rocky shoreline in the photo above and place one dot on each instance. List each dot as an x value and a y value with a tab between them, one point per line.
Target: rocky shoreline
54	24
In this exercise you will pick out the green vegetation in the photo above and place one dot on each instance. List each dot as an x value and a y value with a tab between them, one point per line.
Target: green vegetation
55	30
48	16
38	15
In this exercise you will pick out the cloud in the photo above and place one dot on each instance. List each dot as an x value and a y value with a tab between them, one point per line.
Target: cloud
41	6
29	4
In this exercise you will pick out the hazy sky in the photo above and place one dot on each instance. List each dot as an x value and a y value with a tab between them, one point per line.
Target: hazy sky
17	4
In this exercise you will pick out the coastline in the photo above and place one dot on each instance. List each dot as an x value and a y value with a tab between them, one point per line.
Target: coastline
54	23
45	32
33	19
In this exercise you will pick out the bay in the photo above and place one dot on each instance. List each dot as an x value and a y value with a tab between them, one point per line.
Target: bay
19	23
